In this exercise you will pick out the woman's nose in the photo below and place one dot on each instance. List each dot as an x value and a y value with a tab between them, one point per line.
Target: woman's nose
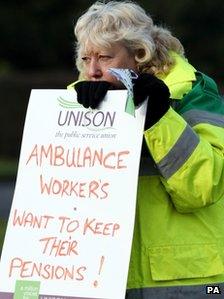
95	71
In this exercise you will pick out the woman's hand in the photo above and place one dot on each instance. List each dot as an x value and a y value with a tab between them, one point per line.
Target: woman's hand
147	85
91	93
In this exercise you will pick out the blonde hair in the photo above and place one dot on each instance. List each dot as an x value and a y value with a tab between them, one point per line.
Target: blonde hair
126	22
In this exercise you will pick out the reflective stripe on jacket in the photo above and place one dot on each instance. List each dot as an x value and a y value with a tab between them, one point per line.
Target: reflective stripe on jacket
178	292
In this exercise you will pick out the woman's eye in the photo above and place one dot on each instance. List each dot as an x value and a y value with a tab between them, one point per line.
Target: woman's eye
104	57
86	59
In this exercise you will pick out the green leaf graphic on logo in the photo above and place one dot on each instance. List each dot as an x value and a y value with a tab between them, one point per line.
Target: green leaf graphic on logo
68	104
26	289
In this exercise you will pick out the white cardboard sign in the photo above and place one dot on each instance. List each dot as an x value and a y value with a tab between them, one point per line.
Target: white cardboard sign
70	228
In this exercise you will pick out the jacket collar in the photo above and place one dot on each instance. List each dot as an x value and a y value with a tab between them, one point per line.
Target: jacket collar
179	79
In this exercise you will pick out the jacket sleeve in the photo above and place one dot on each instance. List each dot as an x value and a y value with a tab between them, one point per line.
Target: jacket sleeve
188	149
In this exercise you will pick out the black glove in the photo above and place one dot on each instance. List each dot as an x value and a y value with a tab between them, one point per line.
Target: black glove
91	93
147	85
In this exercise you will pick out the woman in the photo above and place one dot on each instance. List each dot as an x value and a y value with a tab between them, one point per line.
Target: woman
178	238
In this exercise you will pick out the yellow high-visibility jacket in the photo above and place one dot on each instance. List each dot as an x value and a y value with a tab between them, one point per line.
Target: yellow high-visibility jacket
179	226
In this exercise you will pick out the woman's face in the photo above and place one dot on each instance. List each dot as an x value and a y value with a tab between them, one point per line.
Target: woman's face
97	61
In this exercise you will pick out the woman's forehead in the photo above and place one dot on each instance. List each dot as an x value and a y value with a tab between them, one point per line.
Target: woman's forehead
93	48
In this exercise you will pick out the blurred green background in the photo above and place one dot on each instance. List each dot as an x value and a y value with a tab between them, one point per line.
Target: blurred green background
37	51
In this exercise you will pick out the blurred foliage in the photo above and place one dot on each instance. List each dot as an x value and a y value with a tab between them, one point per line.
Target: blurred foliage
36	34
199	26
39	34
37	49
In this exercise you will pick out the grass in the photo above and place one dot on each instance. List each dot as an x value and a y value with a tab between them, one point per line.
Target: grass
8	167
8	170
3	224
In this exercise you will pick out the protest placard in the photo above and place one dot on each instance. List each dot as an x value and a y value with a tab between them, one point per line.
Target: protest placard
71	222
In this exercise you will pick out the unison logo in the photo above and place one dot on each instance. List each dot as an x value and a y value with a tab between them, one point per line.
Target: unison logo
92	119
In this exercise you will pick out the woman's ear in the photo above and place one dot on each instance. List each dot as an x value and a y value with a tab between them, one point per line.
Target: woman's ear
140	54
